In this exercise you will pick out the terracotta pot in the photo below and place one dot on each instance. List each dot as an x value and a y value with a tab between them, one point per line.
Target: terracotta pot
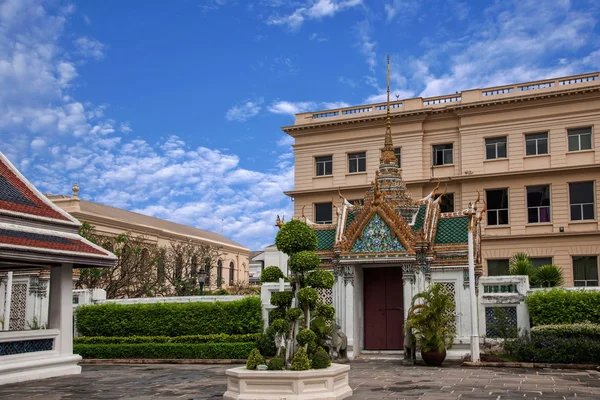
434	358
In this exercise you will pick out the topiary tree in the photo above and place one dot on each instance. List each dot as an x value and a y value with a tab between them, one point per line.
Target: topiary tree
321	359
301	308
271	274
254	359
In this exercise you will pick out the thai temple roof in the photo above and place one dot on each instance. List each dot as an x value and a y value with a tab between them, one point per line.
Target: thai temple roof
391	225
34	230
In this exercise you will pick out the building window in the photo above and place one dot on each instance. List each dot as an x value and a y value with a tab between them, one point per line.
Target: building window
324	165
536	144
580	139
357	162
442	154
398	154
585	270
495	148
323	213
219	273
497	267
539	261
581	199
538	204
447	203
497	200
231	272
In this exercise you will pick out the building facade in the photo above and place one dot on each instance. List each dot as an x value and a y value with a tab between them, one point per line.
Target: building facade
530	149
233	263
270	255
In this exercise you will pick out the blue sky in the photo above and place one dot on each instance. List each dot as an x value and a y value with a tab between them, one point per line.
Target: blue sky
174	109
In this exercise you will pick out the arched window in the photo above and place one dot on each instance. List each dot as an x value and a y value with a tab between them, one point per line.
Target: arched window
219	273
231	272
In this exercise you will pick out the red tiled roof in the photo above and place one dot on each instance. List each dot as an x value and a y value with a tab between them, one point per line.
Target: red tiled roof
16	196
46	241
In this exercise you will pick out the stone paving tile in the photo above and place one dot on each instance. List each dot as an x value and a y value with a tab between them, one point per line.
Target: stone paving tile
370	380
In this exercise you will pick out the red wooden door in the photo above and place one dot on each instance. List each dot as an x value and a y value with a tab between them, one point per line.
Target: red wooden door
383	308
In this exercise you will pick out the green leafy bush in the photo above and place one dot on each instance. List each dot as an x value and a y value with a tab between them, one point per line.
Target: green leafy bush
300	362
321	279
171	319
280	325
294	314
305	336
295	236
304	261
165	350
266	343
326	311
308	297
271	274
559	306
276	313
282	299
572	350
254	359
192	339
585	330
276	364
321	359
521	264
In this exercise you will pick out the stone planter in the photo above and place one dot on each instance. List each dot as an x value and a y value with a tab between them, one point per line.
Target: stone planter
315	384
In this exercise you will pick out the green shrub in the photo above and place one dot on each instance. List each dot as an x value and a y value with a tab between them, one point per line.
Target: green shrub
276	364
585	330
295	236
165	350
171	319
280	325
266	343
573	350
275	314
549	275
254	359
326	311
300	362
321	279
559	306
282	299
321	359
192	339
294	314
304	261
271	274
308	297
305	336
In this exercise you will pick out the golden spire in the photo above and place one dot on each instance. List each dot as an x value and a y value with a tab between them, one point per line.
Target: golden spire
387	154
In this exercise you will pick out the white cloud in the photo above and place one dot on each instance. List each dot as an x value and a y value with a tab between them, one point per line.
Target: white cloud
125	128
285	140
400	7
335	104
313	10
292	108
244	111
366	44
317	37
88	47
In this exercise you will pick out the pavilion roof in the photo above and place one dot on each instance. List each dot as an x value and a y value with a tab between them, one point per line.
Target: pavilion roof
35	231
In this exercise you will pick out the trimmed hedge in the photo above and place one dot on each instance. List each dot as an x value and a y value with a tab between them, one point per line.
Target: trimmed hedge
171	319
194	339
558	306
575	350
166	350
587	331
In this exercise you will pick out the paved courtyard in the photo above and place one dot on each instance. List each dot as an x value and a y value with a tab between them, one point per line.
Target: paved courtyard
369	379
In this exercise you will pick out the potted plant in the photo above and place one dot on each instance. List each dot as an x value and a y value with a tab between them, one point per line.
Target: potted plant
432	320
301	324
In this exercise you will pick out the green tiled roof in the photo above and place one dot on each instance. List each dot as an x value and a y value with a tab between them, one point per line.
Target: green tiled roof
350	218
452	230
420	218
325	239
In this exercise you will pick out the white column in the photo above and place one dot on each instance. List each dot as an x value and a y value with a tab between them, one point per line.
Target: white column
7	300
474	325
349	314
60	308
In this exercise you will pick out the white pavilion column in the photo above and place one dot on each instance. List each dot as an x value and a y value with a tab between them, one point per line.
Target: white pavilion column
60	307
349	314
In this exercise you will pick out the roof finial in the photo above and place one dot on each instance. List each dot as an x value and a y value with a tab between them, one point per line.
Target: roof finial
387	155
75	189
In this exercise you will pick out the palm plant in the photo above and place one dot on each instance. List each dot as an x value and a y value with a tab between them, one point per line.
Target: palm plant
549	275
433	319
520	264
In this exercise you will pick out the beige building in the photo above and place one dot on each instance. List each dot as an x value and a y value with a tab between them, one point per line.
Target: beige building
233	265
531	149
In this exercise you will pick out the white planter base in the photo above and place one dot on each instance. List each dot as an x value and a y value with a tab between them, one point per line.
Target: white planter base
315	384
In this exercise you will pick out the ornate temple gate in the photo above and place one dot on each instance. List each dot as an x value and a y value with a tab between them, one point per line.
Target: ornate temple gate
383	308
